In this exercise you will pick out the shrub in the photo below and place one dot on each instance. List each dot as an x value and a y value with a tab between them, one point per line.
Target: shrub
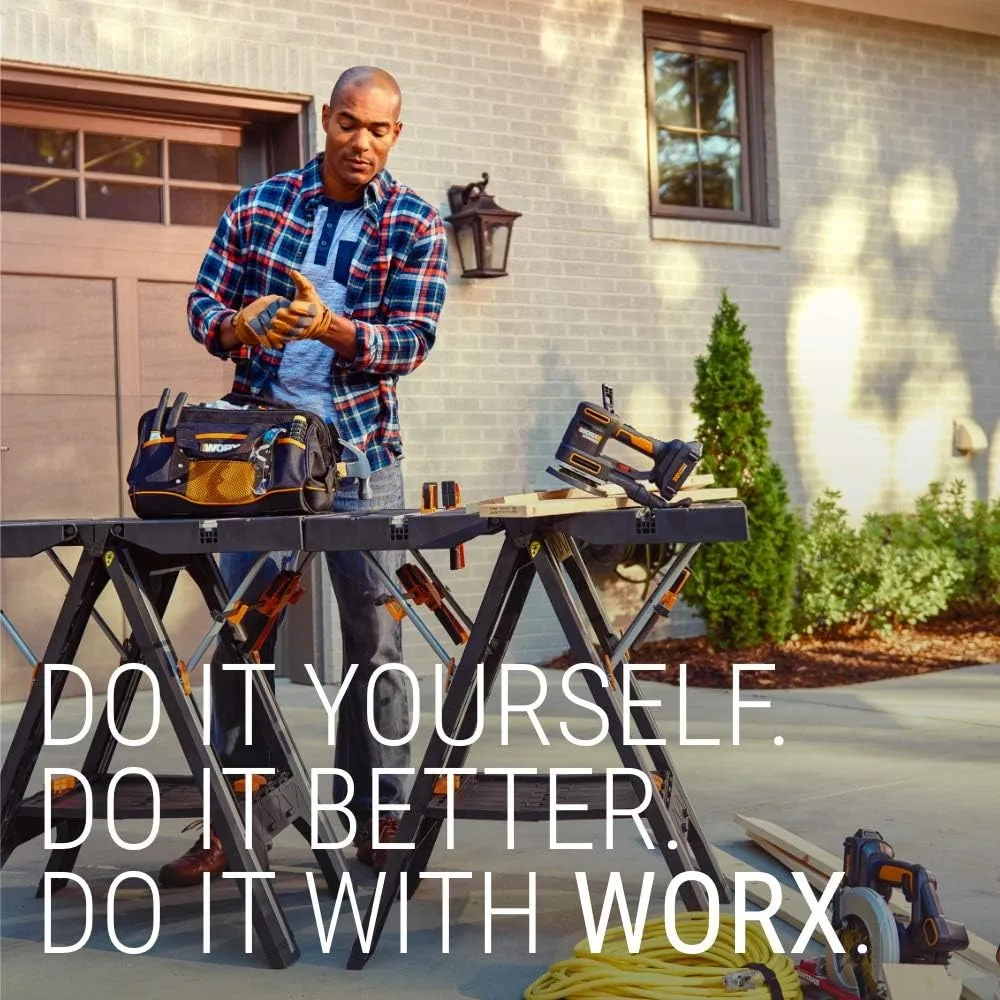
897	569
743	591
944	517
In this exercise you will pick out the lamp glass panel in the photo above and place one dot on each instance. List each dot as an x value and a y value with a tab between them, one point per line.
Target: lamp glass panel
497	239
466	238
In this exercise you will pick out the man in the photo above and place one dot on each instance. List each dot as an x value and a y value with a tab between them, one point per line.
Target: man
324	285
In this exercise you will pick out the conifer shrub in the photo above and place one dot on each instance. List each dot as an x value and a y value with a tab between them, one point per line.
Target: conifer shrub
743	591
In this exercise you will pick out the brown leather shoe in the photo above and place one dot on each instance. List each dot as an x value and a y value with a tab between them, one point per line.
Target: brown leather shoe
387	829
188	869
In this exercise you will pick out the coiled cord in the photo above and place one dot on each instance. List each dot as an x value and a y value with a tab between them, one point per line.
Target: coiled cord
658	971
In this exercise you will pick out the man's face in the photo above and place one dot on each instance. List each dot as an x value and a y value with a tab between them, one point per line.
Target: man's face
361	128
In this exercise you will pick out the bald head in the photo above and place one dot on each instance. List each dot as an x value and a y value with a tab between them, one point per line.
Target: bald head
365	76
362	124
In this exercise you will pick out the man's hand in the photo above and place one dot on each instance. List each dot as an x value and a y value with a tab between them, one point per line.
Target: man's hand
306	317
251	324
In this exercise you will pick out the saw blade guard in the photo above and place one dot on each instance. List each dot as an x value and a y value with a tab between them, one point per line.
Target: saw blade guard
867	921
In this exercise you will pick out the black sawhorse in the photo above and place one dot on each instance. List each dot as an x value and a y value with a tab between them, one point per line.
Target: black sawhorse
547	548
142	560
144	580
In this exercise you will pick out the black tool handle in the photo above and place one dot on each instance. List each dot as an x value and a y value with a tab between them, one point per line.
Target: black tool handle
175	411
636	491
157	426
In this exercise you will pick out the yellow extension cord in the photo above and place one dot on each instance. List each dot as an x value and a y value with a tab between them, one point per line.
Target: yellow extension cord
659	972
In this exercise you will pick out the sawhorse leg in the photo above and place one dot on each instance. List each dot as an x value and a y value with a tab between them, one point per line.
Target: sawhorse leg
501	607
693	850
97	762
89	580
269	922
284	751
669	813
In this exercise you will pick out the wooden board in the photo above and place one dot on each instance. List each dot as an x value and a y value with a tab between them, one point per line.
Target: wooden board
551	507
796	847
920	982
794	911
693	482
794	850
815	878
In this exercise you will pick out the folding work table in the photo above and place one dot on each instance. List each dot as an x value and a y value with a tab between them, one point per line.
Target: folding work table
141	560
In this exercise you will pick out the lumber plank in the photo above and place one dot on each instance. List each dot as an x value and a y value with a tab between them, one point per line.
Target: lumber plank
920	982
776	840
817	879
795	911
693	482
559	508
797	847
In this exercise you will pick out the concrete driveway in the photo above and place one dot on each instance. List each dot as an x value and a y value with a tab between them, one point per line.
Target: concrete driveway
916	759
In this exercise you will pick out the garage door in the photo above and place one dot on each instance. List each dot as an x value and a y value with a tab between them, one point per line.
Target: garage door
105	221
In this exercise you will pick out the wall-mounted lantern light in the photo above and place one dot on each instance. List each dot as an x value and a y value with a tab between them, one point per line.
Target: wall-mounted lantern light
482	230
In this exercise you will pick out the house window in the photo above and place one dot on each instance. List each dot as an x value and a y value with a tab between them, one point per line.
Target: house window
705	113
96	172
134	150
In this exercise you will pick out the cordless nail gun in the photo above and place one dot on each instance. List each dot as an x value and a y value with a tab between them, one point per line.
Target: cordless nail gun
585	464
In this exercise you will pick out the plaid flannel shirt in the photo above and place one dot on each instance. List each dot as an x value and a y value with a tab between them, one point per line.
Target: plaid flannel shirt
395	293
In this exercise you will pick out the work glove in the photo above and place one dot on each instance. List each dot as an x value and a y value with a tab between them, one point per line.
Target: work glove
250	324
306	317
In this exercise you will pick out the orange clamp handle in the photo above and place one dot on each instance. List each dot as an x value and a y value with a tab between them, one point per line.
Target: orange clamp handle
428	498
444	780
257	782
60	786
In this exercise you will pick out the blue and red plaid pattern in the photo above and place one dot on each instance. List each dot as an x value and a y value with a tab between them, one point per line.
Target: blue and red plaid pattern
397	288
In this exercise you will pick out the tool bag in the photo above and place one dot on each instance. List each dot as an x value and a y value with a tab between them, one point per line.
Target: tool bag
203	461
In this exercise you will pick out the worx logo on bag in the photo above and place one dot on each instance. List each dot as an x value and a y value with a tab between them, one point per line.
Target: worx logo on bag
215	447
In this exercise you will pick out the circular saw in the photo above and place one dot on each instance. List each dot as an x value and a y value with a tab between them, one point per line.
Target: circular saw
871	935
870	940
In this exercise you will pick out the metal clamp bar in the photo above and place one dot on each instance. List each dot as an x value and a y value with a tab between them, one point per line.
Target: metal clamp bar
668	579
400	597
429	570
234	599
94	613
18	639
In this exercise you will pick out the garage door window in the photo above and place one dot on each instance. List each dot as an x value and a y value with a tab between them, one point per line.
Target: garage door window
139	174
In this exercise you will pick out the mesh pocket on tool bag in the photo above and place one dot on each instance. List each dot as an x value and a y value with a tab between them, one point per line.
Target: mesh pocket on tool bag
219	482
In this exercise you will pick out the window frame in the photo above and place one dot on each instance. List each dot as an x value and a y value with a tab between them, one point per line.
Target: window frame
85	124
269	131
745	46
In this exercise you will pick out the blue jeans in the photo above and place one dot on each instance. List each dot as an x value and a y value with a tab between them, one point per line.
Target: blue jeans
371	638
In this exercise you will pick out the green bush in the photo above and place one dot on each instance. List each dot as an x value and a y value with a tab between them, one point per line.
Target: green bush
742	591
945	518
897	569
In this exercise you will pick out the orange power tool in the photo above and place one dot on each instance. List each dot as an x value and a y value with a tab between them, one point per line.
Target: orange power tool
585	463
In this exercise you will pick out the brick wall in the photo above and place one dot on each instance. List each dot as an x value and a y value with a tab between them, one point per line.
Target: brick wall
873	308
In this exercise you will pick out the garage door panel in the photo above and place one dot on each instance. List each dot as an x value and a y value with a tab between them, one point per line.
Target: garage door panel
62	457
98	354
169	355
57	335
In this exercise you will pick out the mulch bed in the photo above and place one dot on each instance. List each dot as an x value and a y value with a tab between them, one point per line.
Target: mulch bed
813	661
